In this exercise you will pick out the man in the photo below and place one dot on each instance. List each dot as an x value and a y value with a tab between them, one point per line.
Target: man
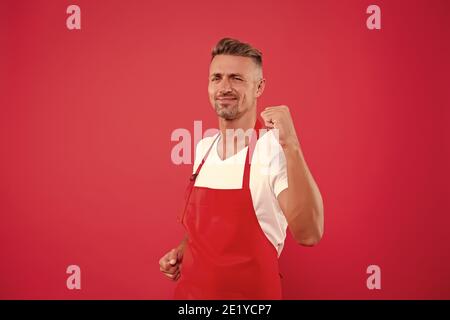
236	214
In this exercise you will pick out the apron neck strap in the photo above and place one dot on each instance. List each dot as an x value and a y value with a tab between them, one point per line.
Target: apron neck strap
256	128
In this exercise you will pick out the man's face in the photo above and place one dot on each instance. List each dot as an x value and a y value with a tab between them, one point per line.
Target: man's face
234	85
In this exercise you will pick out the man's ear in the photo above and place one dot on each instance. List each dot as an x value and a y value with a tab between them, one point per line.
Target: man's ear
261	86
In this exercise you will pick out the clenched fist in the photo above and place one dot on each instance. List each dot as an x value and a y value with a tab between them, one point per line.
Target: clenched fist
170	263
280	118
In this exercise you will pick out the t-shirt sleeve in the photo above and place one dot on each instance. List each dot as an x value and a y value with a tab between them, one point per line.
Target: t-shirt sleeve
198	155
200	151
277	169
279	178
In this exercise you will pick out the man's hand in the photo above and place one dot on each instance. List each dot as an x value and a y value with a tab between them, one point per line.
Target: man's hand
170	263
280	118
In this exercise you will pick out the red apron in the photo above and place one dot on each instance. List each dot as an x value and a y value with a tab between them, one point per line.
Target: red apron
227	255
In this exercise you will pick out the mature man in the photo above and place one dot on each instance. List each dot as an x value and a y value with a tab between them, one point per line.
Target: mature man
237	211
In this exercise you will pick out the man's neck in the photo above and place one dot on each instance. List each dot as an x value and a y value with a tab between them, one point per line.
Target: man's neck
229	147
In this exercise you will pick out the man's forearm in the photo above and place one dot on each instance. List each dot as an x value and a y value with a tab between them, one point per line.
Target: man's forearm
304	211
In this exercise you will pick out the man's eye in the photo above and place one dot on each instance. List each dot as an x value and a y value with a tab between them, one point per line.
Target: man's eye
240	79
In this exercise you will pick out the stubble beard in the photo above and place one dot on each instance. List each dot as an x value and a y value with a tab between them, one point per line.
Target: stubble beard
229	112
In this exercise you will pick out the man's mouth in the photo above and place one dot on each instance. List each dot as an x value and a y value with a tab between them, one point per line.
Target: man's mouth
226	99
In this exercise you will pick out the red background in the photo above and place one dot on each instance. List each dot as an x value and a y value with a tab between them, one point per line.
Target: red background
86	116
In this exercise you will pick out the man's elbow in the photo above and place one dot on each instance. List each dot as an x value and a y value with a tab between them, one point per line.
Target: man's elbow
310	241
311	234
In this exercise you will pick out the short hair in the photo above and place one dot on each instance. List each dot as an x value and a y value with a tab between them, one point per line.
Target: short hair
233	47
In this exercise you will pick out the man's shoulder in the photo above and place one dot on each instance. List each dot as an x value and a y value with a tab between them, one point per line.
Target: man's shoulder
203	145
268	144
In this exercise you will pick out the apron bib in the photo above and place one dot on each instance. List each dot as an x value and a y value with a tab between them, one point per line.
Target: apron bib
227	255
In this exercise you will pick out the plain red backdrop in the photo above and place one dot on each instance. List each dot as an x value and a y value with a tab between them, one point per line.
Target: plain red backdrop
86	117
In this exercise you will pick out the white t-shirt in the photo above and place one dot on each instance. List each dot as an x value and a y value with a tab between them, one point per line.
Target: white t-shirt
268	177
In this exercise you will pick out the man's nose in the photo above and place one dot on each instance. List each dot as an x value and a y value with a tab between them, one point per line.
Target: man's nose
225	86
